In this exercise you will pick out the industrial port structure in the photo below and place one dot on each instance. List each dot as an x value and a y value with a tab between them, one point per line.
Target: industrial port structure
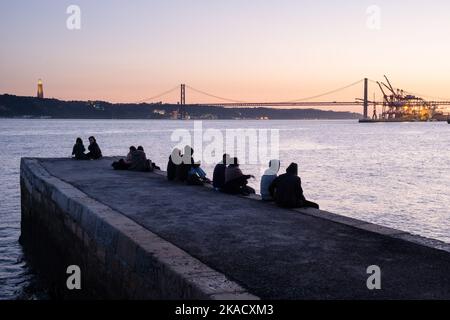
400	106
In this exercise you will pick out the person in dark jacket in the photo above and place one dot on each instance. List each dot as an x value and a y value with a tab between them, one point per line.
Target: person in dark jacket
186	164
124	164
139	161
78	150
183	170
172	165
235	181
219	172
190	171
287	190
94	149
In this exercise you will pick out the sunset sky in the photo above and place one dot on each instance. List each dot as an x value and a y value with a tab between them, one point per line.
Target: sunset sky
252	50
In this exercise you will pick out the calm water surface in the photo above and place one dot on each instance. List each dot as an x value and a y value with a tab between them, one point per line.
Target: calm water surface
397	175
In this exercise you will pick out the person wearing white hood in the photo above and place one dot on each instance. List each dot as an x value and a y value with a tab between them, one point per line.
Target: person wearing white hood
266	180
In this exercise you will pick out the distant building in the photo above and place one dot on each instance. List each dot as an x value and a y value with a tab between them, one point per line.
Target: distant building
160	112
95	106
40	89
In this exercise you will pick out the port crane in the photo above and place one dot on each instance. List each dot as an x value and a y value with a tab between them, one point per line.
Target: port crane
398	105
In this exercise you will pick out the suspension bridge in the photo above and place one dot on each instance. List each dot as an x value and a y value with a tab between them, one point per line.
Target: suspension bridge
397	104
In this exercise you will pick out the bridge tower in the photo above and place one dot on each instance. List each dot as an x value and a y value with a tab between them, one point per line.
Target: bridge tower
181	113
40	89
366	101
183	94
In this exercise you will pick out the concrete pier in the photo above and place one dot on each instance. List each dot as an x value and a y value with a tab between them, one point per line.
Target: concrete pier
138	236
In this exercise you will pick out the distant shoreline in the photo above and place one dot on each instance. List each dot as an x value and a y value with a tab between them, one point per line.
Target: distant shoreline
19	107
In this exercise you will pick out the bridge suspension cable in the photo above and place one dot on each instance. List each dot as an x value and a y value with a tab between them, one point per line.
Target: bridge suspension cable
328	92
214	96
296	100
159	95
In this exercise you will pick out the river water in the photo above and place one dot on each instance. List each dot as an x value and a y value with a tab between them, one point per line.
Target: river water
396	174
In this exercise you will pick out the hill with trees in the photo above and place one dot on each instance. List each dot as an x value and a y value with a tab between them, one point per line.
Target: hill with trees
12	106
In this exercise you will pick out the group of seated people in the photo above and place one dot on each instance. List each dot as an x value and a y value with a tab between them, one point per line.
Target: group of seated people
182	167
228	177
78	151
285	190
136	160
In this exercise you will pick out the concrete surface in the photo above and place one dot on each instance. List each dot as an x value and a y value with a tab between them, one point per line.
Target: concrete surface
118	258
271	252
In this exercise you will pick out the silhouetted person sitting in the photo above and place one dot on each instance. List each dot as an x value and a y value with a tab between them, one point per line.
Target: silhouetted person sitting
124	164
185	165
266	180
172	166
235	181
187	161
150	164
94	149
130	155
78	150
219	172
139	161
287	190
136	160
190	171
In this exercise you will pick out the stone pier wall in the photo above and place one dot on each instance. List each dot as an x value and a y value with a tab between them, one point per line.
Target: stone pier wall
137	236
119	259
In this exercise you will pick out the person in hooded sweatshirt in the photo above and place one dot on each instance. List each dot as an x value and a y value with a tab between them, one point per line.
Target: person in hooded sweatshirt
172	166
78	150
269	175
94	149
139	160
235	181
219	172
287	190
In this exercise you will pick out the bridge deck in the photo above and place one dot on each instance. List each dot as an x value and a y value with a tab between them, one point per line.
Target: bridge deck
272	252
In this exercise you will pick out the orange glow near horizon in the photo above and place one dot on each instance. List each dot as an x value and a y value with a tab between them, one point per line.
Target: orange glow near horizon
126	52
